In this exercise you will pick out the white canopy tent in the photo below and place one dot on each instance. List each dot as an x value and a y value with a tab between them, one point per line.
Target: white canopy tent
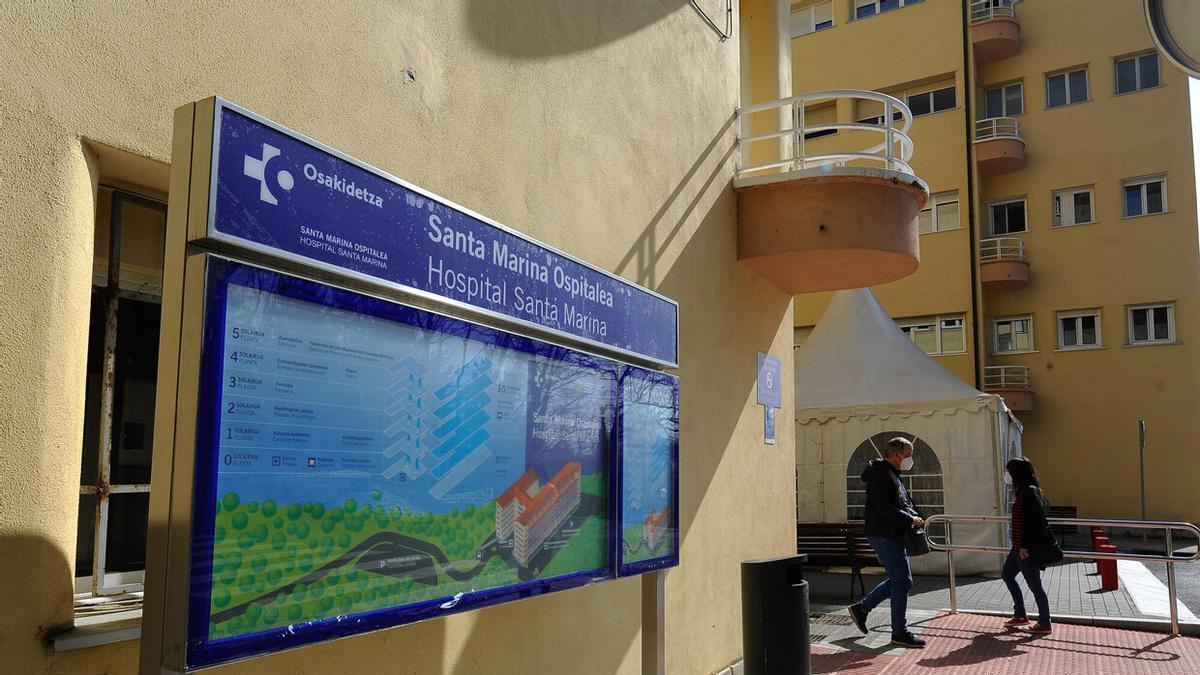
860	381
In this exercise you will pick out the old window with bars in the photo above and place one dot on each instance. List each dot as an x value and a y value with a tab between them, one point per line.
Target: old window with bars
122	366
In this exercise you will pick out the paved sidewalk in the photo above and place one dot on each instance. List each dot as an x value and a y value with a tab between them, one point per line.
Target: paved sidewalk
1073	588
979	645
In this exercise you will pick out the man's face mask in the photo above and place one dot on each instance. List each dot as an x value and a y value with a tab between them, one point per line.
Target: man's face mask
906	464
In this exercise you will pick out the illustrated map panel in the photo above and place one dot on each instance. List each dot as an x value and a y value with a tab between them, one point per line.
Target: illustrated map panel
650	437
366	463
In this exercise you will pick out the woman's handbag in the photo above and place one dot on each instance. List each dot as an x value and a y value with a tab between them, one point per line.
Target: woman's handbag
1047	554
916	542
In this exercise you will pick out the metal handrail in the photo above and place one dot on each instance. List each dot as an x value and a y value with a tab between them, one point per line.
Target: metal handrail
1001	248
893	153
986	10
993	128
949	547
1006	377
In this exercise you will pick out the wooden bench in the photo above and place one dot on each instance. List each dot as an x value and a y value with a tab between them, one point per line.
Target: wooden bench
837	545
1061	531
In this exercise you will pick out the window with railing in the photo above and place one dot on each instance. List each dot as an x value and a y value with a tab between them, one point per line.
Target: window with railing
986	10
1072	207
940	213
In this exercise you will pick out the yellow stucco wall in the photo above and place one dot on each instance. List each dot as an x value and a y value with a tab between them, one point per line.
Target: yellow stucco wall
546	118
910	46
1083	433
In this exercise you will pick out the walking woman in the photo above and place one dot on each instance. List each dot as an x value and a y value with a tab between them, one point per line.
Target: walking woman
1033	545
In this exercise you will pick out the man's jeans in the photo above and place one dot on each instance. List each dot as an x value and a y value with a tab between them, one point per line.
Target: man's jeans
1033	577
896	587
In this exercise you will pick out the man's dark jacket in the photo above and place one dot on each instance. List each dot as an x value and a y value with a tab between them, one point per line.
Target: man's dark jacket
889	512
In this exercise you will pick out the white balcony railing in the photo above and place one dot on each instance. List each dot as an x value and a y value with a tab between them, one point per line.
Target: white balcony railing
986	10
1006	377
1001	248
997	127
893	152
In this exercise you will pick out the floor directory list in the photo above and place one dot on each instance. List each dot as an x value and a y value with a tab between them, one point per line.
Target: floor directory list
366	463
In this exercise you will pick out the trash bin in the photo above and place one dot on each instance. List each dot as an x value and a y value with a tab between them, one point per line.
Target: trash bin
775	616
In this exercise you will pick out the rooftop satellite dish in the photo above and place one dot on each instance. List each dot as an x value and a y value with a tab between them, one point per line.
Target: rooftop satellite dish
1175	27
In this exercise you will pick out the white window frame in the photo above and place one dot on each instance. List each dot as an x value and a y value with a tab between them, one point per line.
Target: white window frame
1059	214
1004	202
1003	88
1150	307
1143	182
1066	75
936	324
909	97
804	19
1009	319
1137	73
936	200
1078	316
877	4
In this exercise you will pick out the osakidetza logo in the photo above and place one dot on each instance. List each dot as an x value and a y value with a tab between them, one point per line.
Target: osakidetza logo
256	168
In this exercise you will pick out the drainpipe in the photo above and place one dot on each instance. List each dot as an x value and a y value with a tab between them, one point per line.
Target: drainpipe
969	127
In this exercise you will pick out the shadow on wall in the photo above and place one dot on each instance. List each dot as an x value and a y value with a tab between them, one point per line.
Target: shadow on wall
543	28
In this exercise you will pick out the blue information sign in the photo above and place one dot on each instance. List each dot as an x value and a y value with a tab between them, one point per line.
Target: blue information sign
278	192
768	380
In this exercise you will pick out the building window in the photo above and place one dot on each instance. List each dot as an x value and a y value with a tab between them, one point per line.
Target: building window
923	482
936	334
940	213
1079	329
865	8
811	19
1007	217
932	101
1005	101
1072	207
1066	88
1145	196
1151	323
1137	73
118	426
1013	334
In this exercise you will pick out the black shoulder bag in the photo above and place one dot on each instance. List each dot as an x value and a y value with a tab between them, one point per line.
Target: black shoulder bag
1049	551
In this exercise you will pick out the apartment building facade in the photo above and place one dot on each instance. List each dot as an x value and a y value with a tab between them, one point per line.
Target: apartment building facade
1059	260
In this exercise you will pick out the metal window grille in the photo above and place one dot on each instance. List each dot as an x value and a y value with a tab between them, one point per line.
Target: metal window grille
107	496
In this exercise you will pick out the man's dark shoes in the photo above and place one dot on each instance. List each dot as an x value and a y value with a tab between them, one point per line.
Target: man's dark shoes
860	617
908	640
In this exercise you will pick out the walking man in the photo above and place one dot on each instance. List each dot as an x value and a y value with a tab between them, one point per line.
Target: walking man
889	514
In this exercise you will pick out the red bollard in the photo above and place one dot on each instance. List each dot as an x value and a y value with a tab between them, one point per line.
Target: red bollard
1108	569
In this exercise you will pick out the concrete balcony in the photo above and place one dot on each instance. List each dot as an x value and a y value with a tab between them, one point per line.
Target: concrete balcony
1011	383
999	147
995	31
1002	264
835	214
